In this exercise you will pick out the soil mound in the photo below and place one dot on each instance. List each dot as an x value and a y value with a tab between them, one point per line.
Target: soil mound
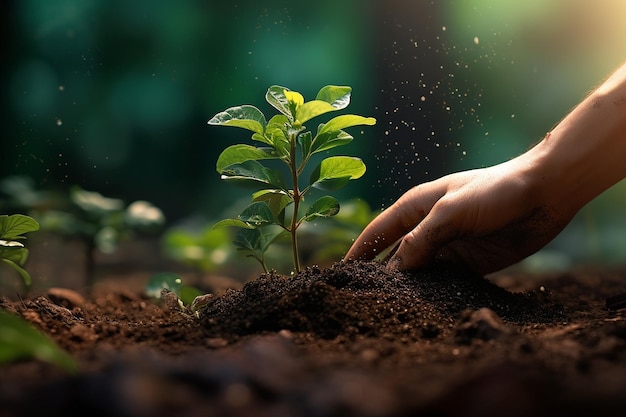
362	298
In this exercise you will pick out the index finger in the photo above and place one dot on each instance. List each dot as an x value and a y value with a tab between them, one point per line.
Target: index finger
393	223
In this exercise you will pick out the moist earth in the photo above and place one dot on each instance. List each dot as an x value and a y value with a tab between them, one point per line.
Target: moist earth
349	339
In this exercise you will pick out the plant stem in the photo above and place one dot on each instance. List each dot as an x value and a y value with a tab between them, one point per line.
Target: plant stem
296	201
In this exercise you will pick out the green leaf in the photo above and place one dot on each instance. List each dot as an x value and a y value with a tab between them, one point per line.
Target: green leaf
335	172
330	140
95	203
329	98
312	109
257	241
12	227
246	117
232	223
253	172
326	206
237	154
20	340
23	273
337	96
257	214
12	251
276	97
345	121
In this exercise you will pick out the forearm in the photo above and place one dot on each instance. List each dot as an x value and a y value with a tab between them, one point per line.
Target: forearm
586	152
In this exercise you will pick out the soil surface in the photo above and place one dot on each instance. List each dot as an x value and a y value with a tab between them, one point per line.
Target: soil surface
345	340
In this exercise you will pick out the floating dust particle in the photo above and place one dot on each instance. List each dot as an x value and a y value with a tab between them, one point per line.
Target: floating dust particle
476	40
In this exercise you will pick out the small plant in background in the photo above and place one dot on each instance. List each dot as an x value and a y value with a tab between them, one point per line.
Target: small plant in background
169	288
18	339
101	223
275	210
12	251
199	246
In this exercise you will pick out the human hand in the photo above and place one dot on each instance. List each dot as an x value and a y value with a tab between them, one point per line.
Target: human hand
485	219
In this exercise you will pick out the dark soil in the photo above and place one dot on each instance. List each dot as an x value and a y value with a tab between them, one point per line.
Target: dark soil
347	340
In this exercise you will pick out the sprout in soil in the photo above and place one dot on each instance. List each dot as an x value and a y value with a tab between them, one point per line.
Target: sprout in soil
277	204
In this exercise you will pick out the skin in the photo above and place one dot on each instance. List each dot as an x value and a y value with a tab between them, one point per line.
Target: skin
490	218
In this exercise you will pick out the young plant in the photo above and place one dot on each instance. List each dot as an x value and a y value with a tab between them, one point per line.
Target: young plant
12	251
284	137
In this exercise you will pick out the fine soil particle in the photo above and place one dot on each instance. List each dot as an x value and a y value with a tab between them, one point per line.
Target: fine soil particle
348	340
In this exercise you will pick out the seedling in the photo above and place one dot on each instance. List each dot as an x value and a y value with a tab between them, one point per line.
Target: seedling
284	138
12	251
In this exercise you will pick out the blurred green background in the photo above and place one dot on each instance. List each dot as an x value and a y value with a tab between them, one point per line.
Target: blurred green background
114	96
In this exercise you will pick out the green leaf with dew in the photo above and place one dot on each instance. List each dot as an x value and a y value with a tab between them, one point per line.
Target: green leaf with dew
276	97
245	116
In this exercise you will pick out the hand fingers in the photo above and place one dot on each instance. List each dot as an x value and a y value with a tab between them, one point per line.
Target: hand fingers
381	233
419	247
393	223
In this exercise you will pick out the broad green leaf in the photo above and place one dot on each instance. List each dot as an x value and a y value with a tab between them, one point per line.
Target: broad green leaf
326	206
294	98
237	154
345	121
253	172
337	96
232	223
276	97
20	340
330	140
257	214
14	226
143	215
94	202
246	117
312	109
334	172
